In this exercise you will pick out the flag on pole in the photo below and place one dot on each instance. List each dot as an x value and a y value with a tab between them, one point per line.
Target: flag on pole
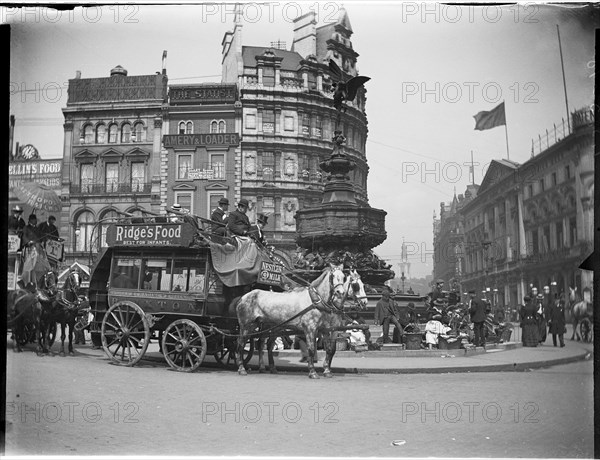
491	119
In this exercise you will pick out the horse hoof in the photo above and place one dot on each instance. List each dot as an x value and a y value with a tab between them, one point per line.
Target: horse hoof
313	375
243	372
273	371
71	353
327	375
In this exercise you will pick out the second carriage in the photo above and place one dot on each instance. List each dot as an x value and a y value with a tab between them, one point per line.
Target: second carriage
157	276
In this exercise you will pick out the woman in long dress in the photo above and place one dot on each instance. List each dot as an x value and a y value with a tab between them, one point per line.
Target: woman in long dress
529	324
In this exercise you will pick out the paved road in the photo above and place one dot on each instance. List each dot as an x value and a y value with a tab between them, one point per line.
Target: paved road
84	406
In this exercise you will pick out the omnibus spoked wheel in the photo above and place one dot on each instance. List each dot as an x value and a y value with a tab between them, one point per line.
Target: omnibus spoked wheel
184	345
125	333
586	330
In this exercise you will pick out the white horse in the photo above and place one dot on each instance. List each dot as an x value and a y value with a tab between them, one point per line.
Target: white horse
580	309
315	309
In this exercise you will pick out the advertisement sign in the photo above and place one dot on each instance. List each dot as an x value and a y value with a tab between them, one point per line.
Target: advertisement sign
204	94
167	234
270	274
193	140
14	242
54	250
45	172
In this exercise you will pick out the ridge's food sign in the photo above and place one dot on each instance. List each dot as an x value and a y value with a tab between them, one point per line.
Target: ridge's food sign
179	234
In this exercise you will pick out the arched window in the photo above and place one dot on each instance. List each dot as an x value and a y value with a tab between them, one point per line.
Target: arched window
83	233
221	126
112	133
214	126
126	133
186	127
107	218
138	132
101	134
88	134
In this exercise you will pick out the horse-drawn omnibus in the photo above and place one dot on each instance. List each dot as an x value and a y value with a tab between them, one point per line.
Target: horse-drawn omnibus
158	276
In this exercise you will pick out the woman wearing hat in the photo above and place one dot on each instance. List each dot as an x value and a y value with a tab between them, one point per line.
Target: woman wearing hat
541	317
238	222
529	325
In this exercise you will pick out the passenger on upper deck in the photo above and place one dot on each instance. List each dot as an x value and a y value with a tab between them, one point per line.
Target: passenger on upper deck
238	222
219	215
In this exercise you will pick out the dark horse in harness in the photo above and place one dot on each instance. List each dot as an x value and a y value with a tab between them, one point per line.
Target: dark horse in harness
24	313
315	309
72	307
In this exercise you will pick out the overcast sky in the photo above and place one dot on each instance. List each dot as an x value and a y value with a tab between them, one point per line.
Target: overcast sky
432	67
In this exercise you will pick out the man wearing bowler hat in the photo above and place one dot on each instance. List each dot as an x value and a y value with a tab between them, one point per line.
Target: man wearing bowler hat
219	215
477	310
48	230
238	222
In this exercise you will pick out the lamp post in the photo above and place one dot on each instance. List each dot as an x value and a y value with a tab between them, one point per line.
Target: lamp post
403	278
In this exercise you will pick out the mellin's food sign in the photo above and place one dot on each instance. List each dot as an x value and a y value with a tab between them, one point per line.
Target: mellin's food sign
150	235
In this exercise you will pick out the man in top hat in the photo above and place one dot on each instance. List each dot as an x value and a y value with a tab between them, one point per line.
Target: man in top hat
219	216
238	222
477	309
48	230
16	223
256	231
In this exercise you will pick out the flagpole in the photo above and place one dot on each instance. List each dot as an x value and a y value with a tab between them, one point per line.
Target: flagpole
472	169
506	132
562	65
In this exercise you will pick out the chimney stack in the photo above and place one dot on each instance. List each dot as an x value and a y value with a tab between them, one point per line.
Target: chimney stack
305	35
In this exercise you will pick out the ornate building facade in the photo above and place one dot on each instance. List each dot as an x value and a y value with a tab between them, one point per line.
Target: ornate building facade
111	158
200	147
287	121
532	224
448	238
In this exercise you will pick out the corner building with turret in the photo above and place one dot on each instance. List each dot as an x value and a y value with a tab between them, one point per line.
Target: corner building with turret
288	120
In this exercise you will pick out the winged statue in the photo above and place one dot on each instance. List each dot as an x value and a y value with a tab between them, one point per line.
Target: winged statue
344	90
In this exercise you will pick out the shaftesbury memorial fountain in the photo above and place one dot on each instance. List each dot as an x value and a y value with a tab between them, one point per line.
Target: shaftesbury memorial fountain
341	230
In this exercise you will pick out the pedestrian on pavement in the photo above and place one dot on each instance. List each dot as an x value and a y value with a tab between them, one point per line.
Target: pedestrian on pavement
48	230
433	329
557	323
529	325
386	312
219	216
16	223
238	222
541	317
477	309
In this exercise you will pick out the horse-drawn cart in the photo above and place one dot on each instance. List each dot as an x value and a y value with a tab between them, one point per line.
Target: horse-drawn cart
157	277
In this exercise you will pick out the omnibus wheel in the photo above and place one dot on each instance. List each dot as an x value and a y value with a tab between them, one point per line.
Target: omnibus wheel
125	333
184	345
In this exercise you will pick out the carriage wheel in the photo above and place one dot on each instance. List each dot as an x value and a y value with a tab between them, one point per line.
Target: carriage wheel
586	330
125	333
184	345
229	353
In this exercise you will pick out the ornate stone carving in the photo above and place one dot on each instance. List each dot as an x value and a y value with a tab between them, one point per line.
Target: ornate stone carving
250	164
289	207
290	166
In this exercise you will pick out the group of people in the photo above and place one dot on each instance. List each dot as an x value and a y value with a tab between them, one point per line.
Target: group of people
319	259
237	222
31	232
541	314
